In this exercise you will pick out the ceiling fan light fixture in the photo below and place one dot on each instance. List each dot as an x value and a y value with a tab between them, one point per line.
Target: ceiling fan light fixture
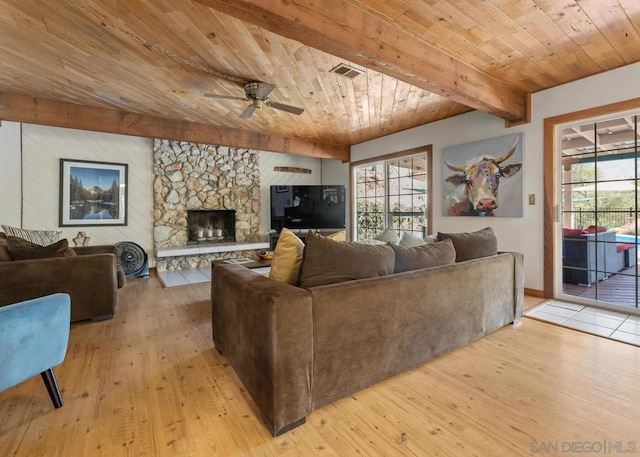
251	89
257	92
346	70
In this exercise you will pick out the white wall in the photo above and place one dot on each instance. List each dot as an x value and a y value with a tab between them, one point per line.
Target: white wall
43	147
38	166
336	172
10	178
523	234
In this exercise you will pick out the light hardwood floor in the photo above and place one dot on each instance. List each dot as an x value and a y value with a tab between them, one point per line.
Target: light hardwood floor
149	383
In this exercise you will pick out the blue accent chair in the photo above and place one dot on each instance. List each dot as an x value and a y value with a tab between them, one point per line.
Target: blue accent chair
33	339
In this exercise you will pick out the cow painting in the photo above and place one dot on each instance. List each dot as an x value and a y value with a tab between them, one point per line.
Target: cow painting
476	182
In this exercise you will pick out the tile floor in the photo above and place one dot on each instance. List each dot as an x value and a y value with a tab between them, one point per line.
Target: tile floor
610	324
185	277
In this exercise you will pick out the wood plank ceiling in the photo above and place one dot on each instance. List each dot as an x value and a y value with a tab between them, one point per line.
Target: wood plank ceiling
143	66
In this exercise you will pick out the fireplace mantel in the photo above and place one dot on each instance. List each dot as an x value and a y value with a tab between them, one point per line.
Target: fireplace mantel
210	248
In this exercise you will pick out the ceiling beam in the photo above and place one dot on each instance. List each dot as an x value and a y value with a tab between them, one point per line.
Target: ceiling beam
347	31
21	108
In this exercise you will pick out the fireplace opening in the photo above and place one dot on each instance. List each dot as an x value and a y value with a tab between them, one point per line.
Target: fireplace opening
211	225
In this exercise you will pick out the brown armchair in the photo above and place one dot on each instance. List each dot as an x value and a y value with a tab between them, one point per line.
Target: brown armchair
91	279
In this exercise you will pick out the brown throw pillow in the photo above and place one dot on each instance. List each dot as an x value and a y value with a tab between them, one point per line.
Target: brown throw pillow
4	251
21	249
472	245
424	256
326	261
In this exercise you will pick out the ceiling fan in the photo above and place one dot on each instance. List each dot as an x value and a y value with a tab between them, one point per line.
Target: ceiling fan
257	93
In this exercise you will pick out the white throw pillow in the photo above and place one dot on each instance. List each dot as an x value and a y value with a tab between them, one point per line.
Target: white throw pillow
431	239
408	240
388	235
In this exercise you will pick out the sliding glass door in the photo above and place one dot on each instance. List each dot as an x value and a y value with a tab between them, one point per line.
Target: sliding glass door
599	211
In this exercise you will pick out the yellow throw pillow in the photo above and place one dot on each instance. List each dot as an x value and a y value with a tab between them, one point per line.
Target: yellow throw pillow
287	258
338	236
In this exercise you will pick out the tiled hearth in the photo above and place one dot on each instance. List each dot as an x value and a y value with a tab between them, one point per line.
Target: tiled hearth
195	276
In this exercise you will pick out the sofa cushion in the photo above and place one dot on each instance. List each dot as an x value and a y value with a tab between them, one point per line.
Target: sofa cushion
338	236
371	241
287	257
430	239
39	237
424	256
388	235
595	229
571	232
326	261
472	245
21	249
409	240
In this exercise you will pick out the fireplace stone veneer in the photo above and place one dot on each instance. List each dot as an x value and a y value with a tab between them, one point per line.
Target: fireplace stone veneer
199	177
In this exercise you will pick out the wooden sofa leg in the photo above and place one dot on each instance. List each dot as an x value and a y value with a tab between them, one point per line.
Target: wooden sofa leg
49	379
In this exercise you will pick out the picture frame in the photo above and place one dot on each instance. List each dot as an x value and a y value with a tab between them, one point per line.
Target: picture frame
93	193
471	173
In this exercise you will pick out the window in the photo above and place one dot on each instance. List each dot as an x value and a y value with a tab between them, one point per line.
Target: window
392	191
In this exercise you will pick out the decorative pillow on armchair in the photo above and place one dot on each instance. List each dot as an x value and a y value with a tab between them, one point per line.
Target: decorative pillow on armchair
327	261
39	237
472	245
21	249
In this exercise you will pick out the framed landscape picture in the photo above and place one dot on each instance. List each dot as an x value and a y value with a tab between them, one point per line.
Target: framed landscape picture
92	193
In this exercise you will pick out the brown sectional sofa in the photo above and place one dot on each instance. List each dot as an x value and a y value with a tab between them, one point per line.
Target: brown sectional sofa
296	349
91	279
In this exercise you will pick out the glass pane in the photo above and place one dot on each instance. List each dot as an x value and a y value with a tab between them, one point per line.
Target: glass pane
394	186
600	204
403	190
393	170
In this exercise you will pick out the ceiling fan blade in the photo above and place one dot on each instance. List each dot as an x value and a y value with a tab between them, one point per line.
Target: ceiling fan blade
264	89
228	97
248	112
287	108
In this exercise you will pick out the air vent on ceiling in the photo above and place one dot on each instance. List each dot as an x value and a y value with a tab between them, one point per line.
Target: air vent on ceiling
346	70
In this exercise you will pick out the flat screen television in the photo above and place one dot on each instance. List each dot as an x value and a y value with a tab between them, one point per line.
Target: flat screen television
308	207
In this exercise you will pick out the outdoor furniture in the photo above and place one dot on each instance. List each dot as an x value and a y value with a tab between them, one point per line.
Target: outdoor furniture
589	257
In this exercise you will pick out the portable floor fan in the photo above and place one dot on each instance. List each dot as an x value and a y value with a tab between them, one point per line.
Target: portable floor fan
132	259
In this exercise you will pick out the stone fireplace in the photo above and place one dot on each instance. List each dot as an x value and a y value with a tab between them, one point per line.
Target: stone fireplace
217	225
201	178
